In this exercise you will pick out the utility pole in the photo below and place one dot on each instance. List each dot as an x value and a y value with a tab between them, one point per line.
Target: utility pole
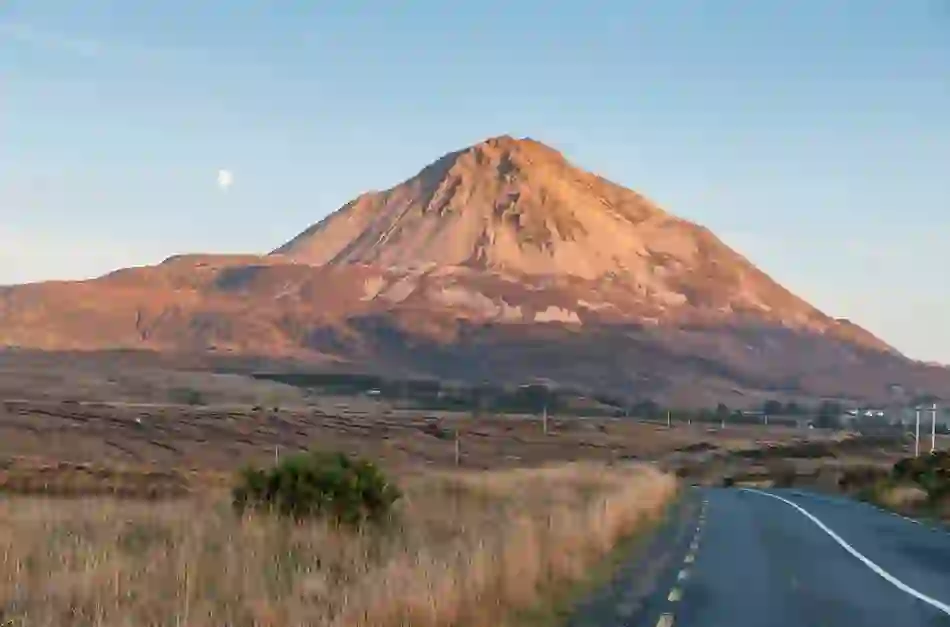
544	419
277	455
933	430
458	449
669	419
917	436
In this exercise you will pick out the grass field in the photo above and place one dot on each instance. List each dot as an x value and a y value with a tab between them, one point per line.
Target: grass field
468	549
113	509
179	438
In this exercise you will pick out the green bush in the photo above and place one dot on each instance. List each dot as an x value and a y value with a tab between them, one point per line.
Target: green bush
187	396
930	472
315	484
438	431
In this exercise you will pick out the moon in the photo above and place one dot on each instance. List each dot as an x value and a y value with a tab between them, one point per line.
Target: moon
225	179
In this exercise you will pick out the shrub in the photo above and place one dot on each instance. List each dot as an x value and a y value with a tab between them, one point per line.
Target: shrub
187	396
861	478
931	472
316	484
438	431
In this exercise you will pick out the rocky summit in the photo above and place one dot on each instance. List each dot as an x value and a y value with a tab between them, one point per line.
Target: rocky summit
500	261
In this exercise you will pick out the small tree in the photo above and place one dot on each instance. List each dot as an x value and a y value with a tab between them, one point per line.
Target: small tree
793	409
829	414
772	407
187	396
315	484
647	409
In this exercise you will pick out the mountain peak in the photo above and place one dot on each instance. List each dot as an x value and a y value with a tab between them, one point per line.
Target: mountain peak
524	151
498	157
510	143
500	141
508	203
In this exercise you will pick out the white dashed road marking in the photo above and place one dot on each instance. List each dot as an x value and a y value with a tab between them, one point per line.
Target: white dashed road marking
666	620
900	585
675	595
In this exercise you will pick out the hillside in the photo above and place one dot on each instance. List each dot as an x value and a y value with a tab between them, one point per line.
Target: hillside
500	261
518	210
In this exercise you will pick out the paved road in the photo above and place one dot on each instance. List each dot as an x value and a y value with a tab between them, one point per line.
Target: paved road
750	559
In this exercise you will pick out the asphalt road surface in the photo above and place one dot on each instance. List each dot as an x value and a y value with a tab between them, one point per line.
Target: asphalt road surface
786	558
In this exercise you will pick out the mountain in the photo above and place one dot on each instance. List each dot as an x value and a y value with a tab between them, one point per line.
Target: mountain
500	261
518	208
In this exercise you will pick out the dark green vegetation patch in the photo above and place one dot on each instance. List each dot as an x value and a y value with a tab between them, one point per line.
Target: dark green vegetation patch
319	485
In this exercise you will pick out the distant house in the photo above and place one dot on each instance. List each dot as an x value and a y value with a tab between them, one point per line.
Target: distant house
902	417
863	412
856	417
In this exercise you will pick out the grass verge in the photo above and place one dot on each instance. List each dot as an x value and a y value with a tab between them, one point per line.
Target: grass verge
468	550
561	603
916	486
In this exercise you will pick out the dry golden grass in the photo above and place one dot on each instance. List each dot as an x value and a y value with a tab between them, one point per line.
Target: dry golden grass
469	549
902	497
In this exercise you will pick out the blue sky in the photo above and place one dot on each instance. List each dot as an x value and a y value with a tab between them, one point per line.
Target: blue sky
813	136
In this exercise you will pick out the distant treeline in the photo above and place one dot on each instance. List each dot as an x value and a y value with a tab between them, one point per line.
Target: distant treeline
824	414
436	395
535	398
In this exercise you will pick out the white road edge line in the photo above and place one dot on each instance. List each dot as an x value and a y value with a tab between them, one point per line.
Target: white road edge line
900	585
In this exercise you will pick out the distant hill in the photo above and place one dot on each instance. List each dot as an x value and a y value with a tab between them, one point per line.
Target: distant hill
499	262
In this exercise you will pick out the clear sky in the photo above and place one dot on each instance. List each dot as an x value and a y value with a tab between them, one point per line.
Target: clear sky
813	136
